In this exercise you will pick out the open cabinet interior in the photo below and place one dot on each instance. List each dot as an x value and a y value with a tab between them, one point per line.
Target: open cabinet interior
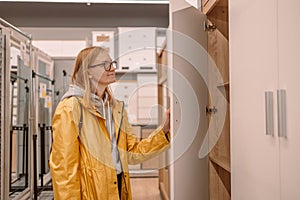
217	47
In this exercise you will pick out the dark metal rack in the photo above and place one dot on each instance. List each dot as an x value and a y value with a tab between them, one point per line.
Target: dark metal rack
43	128
25	129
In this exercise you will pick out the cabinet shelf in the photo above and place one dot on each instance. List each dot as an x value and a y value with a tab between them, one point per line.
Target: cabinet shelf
221	179
226	87
208	5
225	84
221	161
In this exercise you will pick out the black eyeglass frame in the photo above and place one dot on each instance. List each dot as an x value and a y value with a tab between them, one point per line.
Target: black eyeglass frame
106	67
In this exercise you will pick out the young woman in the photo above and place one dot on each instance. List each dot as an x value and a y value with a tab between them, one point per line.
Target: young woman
93	142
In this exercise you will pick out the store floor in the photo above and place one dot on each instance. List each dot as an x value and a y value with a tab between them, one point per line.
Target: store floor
142	189
145	189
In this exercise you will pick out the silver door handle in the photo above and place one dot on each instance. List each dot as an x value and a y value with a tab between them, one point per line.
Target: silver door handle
269	113
281	106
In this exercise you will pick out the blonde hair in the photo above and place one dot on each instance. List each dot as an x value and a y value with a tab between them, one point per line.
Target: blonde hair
80	73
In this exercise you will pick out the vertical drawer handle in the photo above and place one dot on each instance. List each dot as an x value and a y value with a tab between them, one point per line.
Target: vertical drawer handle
269	113
281	106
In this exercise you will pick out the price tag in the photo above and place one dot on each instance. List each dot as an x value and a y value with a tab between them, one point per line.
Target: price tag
43	91
48	102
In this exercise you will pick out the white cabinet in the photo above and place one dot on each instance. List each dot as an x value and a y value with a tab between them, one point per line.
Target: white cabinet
147	98
136	38
264	42
255	159
137	48
127	91
105	39
140	98
289	71
141	59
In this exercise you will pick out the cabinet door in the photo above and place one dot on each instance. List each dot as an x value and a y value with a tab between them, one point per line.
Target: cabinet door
189	173
289	72
253	70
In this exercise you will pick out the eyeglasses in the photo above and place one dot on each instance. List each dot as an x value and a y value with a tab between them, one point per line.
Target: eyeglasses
107	65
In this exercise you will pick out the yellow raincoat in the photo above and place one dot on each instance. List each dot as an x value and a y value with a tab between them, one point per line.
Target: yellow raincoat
81	163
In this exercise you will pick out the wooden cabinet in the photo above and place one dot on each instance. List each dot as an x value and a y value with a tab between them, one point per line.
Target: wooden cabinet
218	64
264	166
209	5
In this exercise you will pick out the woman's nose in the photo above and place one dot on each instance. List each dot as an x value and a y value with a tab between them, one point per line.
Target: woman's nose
112	68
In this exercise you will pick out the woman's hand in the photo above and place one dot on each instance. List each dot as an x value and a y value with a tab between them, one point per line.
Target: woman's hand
166	127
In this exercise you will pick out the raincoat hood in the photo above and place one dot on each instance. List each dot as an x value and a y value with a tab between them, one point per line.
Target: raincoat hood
99	103
73	90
